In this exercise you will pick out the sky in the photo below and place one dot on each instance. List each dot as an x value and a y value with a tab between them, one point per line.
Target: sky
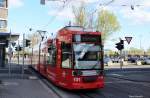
25	14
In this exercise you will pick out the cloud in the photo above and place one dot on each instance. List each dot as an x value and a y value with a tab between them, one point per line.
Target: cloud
64	10
15	3
137	16
67	13
140	14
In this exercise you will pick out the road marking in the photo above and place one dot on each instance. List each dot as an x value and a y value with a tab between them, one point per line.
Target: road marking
115	74
33	77
136	96
10	83
111	82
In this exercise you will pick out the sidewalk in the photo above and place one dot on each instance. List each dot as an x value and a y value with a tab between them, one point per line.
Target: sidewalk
16	85
25	88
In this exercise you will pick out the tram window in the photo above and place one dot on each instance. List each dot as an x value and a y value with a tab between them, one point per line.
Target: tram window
51	56
66	55
66	47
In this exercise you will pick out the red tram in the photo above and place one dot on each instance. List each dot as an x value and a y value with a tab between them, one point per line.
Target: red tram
73	60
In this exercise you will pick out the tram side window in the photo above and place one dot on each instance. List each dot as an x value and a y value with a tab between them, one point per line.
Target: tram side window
66	55
51	55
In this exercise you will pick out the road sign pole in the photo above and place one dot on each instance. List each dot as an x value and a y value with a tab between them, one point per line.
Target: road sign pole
18	52
9	66
121	60
10	50
32	57
23	55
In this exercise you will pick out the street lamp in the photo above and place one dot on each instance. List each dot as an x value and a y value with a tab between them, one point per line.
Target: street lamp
42	34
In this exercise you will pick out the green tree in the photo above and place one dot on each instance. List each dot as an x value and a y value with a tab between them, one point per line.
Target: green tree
148	51
136	51
107	23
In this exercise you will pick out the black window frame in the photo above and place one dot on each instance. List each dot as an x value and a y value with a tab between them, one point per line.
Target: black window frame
67	53
3	23
3	3
53	62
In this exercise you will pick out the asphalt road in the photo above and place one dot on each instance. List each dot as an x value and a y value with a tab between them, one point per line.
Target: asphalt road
126	83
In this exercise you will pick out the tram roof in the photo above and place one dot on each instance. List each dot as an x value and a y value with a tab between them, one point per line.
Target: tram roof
78	28
69	30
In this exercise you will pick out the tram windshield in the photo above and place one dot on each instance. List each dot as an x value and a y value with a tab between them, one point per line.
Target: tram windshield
87	56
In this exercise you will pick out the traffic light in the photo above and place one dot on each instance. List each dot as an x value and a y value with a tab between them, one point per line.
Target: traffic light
28	42
120	45
18	48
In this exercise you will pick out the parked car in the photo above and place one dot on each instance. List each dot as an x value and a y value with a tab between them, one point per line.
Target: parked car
146	61
106	60
133	59
115	60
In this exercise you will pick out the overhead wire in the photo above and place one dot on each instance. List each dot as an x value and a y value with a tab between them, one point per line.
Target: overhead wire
66	2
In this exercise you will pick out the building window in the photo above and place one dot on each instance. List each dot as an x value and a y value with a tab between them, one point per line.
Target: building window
3	3
3	23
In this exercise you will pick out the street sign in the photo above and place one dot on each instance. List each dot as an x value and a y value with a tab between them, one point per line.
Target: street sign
128	39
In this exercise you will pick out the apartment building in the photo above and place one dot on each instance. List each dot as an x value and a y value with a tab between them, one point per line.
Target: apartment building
3	15
3	31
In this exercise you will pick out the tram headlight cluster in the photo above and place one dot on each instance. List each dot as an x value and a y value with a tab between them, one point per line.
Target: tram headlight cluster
77	73
101	77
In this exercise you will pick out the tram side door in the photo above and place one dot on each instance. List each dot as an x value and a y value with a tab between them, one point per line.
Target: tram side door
66	63
51	62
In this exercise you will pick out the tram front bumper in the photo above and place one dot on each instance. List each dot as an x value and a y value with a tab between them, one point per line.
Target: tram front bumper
94	85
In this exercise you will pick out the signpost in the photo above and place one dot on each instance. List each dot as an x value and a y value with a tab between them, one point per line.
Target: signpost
10	54
23	55
120	47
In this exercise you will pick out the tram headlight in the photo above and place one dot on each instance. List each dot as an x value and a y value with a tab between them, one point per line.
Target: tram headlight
77	73
99	72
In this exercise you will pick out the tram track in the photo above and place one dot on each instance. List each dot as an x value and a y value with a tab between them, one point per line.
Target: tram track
85	96
92	94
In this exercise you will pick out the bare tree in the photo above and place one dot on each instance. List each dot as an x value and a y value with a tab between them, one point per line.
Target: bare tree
105	22
35	38
80	15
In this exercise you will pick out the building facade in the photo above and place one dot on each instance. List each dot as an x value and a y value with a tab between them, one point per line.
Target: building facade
3	15
3	31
